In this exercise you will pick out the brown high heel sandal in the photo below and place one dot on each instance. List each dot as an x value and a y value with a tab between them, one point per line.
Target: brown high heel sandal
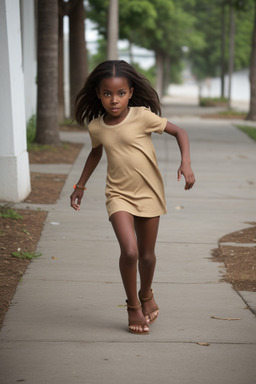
152	310
141	323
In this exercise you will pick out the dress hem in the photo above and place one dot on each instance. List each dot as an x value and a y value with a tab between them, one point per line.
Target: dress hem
146	216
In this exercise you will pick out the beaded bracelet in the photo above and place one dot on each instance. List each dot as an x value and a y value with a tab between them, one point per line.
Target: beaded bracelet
79	187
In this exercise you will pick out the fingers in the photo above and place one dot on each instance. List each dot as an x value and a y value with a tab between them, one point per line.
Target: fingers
188	185
179	175
189	177
75	200
190	181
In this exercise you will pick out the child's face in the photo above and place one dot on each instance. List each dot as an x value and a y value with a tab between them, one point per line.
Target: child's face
114	93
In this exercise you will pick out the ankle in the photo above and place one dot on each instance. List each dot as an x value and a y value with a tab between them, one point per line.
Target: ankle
145	294
133	304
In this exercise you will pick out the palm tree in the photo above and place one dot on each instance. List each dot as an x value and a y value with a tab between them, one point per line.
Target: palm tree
47	89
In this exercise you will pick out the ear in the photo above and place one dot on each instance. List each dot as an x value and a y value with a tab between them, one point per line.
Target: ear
131	92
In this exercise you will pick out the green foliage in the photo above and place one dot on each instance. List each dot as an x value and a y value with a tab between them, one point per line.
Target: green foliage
7	213
167	26
243	38
31	130
98	12
136	15
150	73
163	26
26	255
250	131
209	16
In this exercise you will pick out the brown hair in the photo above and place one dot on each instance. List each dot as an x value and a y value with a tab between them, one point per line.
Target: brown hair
88	106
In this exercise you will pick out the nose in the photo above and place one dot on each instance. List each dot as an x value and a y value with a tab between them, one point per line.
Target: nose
114	99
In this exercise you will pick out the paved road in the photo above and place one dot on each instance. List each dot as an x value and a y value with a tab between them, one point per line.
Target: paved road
67	323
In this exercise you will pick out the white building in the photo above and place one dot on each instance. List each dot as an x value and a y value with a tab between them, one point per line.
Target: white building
15	16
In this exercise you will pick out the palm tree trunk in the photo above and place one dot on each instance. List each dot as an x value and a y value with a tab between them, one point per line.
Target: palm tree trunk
231	52
47	90
61	69
113	30
159	73
223	46
77	50
252	112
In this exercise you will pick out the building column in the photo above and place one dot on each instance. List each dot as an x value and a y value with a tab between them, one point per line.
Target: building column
29	55
14	164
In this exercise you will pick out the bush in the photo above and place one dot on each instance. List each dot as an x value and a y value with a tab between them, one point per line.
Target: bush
213	102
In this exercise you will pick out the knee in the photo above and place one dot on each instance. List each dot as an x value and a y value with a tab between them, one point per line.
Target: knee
147	258
130	255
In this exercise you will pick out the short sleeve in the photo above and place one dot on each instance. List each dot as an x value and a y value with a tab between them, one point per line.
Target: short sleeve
94	140
153	122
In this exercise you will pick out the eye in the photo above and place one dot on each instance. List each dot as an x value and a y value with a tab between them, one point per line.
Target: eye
106	94
123	93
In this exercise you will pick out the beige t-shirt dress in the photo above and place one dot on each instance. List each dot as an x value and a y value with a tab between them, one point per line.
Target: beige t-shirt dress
134	183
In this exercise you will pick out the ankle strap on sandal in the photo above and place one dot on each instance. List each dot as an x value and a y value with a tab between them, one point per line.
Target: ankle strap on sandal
133	307
145	299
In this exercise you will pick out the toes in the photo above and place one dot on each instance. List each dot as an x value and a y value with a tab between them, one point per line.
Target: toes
139	329
152	316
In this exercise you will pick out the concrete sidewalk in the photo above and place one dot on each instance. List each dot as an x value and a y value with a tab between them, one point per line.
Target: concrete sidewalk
67	323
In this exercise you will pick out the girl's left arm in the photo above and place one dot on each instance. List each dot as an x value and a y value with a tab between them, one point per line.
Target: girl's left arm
183	143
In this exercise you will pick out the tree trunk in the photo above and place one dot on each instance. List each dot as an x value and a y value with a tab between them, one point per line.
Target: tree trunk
223	46
113	30
252	111
47	89
61	67
159	73
167	74
231	52
77	50
131	52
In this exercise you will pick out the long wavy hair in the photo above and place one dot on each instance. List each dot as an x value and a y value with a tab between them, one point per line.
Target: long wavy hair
88	106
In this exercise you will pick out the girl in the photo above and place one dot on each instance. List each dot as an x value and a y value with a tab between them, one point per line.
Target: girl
122	110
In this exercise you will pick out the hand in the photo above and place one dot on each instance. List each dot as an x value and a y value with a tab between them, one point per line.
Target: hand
75	199
186	170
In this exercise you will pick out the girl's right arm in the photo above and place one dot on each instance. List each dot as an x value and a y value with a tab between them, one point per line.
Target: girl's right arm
92	161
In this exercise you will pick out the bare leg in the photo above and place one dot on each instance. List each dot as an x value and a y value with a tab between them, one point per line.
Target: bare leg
123	224
146	230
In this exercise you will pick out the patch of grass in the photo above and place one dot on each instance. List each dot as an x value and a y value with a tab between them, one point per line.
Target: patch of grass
213	101
39	147
250	131
26	255
232	112
52	148
7	213
69	122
